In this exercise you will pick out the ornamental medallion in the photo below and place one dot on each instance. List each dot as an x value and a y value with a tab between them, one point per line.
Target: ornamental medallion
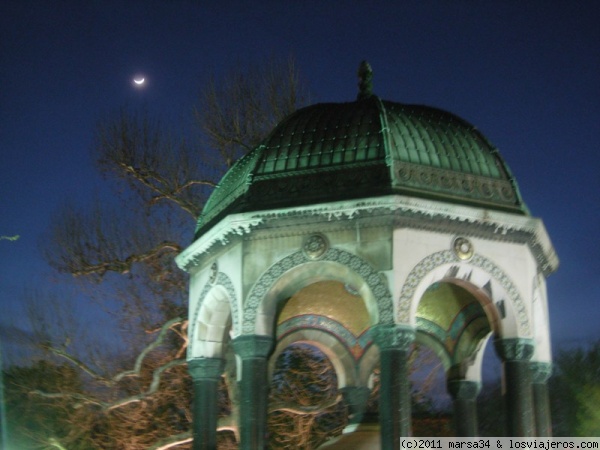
315	246
463	248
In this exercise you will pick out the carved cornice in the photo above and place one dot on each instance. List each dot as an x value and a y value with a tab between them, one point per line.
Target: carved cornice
221	234
400	210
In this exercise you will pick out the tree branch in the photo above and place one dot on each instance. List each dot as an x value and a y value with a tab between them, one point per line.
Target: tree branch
173	441
156	376
76	362
79	397
159	185
124	266
294	408
154	344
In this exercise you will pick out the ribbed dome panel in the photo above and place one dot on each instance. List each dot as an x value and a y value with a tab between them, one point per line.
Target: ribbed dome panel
371	147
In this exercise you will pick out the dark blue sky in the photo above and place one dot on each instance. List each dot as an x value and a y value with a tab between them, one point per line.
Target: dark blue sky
525	73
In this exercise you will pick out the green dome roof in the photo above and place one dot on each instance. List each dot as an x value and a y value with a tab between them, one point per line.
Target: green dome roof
370	147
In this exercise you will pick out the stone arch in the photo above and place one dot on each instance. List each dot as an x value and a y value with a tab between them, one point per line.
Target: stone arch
216	311
337	353
481	277
296	271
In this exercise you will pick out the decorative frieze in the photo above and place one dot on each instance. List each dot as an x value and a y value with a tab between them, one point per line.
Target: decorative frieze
418	213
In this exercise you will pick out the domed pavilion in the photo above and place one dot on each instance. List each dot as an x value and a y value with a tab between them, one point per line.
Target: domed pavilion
360	228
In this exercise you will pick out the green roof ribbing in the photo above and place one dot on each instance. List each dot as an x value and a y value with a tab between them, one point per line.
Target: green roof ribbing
336	151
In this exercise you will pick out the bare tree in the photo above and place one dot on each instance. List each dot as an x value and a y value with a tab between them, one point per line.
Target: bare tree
119	249
305	405
237	113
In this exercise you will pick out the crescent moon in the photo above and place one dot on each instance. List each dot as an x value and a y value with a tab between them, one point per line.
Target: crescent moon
141	81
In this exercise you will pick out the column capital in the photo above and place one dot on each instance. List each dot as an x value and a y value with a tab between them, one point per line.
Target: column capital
205	368
393	337
253	346
514	349
540	371
463	389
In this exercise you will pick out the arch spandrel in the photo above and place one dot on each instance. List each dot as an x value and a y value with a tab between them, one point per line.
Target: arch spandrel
298	270
499	296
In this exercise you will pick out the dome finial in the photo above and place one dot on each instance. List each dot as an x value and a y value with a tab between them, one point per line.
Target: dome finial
365	81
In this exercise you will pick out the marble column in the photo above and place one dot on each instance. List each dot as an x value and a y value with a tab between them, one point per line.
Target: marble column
515	354
205	373
394	342
464	395
253	351
540	372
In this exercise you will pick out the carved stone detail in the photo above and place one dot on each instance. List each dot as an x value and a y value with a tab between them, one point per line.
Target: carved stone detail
429	263
433	179
315	246
463	248
253	346
374	280
390	336
514	349
205	368
214	271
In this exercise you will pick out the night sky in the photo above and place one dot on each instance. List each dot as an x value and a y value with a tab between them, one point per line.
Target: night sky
527	74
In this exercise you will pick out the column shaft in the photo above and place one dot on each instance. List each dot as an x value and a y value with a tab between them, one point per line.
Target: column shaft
519	399
541	402
204	411
519	396
540	372
205	373
464	395
394	397
254	389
